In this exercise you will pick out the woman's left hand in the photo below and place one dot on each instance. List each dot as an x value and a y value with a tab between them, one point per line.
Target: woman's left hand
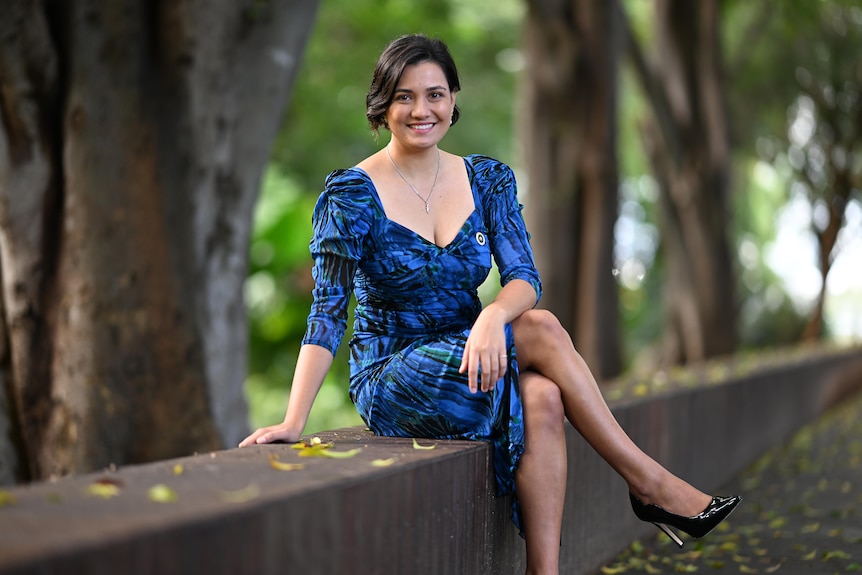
486	350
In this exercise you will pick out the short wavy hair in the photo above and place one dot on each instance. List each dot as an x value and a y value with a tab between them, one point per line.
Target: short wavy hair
402	52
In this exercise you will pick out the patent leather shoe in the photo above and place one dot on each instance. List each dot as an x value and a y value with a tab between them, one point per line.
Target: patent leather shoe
698	526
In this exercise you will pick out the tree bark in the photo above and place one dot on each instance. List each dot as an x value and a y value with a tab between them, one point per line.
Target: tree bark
569	123
688	145
133	138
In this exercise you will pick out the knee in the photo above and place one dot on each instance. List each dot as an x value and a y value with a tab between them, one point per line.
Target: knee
543	403
540	326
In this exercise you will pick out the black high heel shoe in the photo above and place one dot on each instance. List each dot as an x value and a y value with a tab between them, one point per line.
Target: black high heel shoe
698	526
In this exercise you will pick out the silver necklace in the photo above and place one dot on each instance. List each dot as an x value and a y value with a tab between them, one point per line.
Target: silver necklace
412	187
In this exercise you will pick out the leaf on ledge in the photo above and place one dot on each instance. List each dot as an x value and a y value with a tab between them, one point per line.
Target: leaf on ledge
281	466
316	452
383	462
313	443
417	446
161	493
105	488
178	469
6	498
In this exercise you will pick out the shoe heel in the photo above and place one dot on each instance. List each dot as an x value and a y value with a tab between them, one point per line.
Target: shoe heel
669	532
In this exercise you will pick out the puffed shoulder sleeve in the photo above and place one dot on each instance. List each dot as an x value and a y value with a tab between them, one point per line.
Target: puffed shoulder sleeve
509	239
340	222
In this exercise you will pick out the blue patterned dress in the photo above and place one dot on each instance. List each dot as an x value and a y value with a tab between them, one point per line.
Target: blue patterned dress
416	304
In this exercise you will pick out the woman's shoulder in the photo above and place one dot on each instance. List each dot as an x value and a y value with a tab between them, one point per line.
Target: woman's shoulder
486	167
347	180
348	190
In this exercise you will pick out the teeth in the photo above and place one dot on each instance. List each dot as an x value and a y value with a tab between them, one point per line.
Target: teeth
421	126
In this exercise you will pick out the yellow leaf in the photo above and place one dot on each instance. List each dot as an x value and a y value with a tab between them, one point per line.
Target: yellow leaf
312	443
241	495
178	469
161	493
104	488
778	522
276	464
811	527
641	390
650	569
417	446
810	556
746	569
614	570
314	452
6	498
383	462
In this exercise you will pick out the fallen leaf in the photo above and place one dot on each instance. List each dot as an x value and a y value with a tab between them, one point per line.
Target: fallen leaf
313	443
417	446
810	556
6	498
614	570
836	555
315	452
383	462
746	569
241	495
281	466
178	469
161	493
104	488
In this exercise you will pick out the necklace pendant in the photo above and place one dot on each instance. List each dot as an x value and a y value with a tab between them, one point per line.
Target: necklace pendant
427	209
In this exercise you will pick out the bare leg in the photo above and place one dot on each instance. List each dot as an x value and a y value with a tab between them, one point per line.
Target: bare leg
541	475
543	346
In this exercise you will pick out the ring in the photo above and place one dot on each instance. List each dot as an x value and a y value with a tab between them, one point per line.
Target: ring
504	357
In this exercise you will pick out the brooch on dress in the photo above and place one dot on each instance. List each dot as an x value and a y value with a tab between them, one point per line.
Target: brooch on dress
480	238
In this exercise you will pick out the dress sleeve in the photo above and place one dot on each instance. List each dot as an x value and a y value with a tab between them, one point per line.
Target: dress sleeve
339	226
509	239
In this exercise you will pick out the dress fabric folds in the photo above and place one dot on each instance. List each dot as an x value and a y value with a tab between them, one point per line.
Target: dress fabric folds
416	303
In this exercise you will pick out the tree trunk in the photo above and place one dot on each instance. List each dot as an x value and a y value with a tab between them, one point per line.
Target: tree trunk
133	139
688	146
569	126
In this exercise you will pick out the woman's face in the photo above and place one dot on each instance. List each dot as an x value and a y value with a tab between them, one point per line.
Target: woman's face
421	107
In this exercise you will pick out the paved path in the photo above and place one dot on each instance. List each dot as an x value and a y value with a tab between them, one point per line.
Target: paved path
801	512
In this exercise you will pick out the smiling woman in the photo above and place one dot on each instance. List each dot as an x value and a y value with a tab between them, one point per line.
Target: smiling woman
412	231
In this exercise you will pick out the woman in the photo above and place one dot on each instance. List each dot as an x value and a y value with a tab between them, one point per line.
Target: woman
412	230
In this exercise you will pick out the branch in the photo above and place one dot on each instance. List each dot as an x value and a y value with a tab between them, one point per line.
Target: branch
652	88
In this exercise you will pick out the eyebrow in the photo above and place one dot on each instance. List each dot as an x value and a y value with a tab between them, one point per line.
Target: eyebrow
429	89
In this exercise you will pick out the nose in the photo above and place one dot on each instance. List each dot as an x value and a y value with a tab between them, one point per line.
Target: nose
420	108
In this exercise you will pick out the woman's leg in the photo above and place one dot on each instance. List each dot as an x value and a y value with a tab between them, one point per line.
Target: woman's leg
541	475
544	347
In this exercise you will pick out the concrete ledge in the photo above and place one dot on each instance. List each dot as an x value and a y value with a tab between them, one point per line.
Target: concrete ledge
430	511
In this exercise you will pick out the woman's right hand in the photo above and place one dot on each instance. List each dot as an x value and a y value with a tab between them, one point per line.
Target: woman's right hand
281	432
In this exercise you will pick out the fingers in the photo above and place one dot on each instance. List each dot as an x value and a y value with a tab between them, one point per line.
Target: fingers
483	370
267	435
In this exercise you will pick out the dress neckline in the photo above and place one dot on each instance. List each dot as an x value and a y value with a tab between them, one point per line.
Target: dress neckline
413	232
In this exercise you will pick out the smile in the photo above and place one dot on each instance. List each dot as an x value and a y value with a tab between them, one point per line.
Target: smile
421	127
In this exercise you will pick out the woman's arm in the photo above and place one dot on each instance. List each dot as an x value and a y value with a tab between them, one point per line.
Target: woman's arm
486	345
312	364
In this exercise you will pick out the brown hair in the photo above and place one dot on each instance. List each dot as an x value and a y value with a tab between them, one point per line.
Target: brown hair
402	52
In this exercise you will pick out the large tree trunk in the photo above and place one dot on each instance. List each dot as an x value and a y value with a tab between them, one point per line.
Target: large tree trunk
132	141
688	145
569	126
